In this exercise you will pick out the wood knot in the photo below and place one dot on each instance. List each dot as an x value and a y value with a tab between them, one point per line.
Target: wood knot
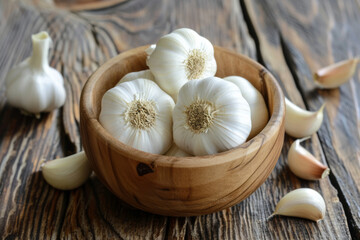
143	169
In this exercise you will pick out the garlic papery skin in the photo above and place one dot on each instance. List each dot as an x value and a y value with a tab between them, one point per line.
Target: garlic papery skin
336	74
304	203
150	50
210	116
181	56
67	173
303	164
138	113
146	74
176	152
259	111
300	123
33	85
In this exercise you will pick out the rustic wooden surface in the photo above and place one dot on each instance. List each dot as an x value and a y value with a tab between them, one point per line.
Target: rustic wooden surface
291	38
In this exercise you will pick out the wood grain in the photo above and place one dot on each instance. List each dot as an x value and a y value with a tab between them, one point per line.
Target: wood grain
305	37
30	209
81	5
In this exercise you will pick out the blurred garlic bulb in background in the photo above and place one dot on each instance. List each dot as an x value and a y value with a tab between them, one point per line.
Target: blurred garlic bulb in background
259	111
33	85
210	116
138	113
181	56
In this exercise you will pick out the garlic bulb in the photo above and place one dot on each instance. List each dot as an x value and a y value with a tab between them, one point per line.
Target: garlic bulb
181	56
210	116
147	74
135	75
259	111
67	173
176	151
138	113
303	164
336	74
304	203
300	123
33	85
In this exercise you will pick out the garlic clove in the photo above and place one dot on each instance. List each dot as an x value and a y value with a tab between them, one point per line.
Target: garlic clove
181	56
304	203
150	50
176	152
34	86
300	123
259	111
67	173
210	116
303	164
139	114
336	74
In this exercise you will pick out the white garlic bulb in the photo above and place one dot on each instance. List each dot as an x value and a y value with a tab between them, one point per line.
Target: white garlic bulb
259	111
33	85
138	113
210	116
181	56
135	75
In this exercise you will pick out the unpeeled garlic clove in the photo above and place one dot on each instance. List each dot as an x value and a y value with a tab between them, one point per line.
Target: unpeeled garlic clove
304	203
67	173
300	123
150	49
336	74
303	164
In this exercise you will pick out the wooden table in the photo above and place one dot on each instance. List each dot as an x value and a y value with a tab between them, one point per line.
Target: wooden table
291	38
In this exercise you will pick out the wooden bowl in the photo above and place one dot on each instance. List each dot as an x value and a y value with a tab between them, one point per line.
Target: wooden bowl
181	186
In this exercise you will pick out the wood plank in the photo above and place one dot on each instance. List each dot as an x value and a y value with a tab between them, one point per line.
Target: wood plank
305	36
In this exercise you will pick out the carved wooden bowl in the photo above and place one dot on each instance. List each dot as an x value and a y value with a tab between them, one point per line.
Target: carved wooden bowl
181	186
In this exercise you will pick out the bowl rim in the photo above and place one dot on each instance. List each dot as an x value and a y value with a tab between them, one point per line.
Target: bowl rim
86	108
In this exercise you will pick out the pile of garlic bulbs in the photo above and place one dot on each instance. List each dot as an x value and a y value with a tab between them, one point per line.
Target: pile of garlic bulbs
178	107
